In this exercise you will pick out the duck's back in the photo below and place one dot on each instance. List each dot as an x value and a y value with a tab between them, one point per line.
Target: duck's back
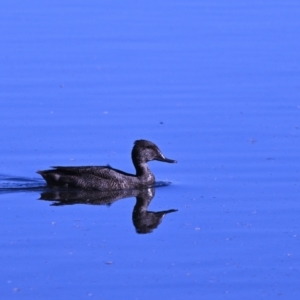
89	177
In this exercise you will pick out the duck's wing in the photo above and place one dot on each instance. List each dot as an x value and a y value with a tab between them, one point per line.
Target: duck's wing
99	171
82	169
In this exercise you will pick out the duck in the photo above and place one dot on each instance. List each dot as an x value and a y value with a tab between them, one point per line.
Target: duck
105	178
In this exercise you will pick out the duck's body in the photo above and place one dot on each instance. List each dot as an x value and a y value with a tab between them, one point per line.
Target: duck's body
105	177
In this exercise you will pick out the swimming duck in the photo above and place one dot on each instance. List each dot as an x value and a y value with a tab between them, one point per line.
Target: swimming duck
105	177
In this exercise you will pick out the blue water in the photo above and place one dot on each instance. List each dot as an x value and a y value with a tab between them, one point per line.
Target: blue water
215	85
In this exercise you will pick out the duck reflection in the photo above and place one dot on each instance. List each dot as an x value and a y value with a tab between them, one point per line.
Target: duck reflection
143	220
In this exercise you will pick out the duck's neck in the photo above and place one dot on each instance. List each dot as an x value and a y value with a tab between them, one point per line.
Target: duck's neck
144	173
142	169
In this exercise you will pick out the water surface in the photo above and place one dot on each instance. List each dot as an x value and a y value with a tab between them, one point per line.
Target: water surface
215	85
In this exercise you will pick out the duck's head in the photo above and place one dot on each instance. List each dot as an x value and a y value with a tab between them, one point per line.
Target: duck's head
144	151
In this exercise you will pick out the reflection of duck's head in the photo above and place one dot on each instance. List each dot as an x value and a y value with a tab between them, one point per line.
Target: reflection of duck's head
145	221
106	178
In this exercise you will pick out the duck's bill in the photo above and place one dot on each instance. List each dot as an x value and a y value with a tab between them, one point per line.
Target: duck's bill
164	159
